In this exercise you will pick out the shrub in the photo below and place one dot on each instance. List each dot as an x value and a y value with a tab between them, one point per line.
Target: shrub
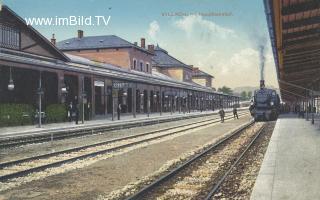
16	114
56	113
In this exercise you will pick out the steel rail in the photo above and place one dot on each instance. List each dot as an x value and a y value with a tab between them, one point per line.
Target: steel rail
215	188
64	134
15	162
181	167
92	154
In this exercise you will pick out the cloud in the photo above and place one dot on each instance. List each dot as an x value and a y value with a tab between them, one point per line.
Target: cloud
154	28
238	69
205	29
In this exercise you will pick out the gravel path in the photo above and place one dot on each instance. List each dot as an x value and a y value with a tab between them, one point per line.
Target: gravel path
97	178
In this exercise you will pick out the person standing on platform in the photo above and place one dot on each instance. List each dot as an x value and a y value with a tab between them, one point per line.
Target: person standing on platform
76	113
119	111
221	113
235	113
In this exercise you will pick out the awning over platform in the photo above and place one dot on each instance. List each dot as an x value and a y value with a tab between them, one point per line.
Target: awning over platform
294	27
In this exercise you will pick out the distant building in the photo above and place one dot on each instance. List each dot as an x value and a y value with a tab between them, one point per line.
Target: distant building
201	77
170	66
110	49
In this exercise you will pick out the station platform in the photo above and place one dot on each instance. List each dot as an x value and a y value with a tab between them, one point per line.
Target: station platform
291	166
140	119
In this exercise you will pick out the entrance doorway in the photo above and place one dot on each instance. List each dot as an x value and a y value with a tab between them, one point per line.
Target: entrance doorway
99	97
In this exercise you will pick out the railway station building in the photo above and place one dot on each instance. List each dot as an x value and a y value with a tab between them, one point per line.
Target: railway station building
97	73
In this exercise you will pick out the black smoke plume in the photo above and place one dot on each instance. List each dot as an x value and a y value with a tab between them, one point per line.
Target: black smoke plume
262	58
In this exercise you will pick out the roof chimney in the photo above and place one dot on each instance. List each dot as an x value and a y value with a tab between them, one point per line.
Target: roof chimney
195	69
80	34
53	40
143	43
151	48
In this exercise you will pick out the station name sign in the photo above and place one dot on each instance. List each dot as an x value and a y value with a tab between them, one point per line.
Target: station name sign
121	85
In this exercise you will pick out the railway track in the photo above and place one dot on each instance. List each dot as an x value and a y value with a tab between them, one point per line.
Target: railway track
22	167
201	176
78	132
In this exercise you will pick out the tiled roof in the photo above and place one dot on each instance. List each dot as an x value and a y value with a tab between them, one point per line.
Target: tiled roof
163	59
96	42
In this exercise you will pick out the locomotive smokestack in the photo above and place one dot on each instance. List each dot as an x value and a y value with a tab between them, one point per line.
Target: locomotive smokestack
262	84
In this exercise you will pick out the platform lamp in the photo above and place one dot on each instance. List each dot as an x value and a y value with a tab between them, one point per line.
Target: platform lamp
124	99
64	92
40	92
155	102
84	101
141	101
125	95
11	83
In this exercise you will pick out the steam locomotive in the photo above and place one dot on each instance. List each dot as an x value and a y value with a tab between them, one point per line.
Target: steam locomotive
265	105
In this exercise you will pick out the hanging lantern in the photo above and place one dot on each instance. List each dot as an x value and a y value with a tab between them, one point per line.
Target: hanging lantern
11	84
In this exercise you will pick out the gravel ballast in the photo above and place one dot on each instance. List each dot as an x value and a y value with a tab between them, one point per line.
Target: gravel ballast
100	176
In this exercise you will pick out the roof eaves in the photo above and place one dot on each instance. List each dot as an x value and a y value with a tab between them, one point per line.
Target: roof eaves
36	32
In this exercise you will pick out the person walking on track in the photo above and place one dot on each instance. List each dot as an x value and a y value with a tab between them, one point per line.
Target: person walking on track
235	113
221	113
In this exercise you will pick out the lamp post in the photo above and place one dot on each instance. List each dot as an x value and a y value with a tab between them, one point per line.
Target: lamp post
84	101
40	93
190	102
175	103
155	102
141	102
124	101
64	92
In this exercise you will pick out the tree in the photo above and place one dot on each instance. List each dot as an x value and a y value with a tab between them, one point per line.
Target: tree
249	95
225	90
244	95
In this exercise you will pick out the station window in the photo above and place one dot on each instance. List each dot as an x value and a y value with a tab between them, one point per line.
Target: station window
141	66
147	67
9	37
134	64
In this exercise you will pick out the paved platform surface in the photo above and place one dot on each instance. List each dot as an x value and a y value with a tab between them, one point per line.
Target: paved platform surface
125	119
291	166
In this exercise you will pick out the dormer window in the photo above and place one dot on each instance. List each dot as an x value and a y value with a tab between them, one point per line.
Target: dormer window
9	36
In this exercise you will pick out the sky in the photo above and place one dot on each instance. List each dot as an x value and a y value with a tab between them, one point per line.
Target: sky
221	37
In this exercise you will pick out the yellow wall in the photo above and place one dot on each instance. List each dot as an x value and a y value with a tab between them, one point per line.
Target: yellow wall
175	73
199	81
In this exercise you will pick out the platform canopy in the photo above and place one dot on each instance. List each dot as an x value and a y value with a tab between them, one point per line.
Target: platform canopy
294	27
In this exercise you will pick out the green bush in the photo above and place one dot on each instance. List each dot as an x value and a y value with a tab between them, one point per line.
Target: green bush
56	113
16	114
